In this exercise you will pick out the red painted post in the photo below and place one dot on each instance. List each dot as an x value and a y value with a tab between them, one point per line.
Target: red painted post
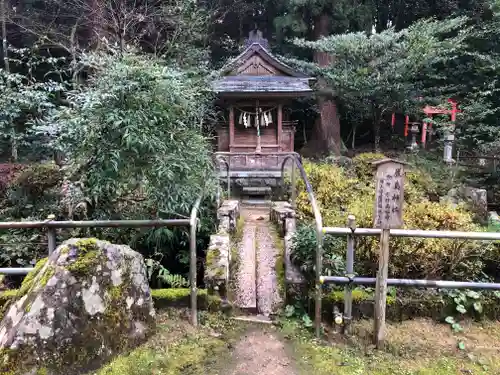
424	133
453	111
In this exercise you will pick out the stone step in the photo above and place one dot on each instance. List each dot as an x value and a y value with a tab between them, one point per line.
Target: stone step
257	190
251	174
256	203
261	319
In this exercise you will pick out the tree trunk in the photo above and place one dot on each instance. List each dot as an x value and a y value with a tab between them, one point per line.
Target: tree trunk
376	132
97	23
382	17
376	127
5	47
326	132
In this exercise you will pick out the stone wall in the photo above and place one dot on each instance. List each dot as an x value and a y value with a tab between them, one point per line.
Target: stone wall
218	257
283	216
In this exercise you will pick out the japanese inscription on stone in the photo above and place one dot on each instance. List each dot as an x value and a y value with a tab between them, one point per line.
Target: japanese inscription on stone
389	194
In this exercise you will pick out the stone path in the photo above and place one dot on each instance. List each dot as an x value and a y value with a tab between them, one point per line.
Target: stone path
246	289
268	293
256	281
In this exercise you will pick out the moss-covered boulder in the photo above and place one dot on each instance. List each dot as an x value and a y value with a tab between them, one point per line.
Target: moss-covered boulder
77	309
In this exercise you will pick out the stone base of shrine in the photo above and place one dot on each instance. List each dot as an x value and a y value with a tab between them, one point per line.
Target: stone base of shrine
261	183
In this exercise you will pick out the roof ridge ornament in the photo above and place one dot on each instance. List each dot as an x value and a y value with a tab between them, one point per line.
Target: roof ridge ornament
256	36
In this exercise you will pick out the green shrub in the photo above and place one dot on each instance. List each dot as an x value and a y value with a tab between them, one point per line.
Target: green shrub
362	164
35	179
333	189
304	239
429	258
339	194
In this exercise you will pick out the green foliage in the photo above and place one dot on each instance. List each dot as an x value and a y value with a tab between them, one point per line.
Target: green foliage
297	312
381	73
304	252
466	302
173	281
24	100
134	139
332	188
164	276
362	164
134	133
31	195
339	194
478	129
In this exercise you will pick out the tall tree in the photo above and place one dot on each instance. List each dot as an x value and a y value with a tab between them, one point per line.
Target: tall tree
381	73
476	79
314	20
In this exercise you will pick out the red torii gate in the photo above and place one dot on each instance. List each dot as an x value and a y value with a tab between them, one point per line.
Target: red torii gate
429	112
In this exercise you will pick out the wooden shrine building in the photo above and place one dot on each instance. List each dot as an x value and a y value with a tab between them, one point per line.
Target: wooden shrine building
253	92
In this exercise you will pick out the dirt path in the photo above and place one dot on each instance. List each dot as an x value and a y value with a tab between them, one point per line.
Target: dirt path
261	352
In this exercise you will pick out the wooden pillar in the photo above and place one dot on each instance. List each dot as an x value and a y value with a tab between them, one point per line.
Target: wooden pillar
280	125
231	127
381	290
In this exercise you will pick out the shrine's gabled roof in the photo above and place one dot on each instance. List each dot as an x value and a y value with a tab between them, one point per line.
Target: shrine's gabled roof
256	70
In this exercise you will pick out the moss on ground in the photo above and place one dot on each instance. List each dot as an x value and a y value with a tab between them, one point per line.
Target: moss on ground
279	266
238	233
419	347
177	348
234	264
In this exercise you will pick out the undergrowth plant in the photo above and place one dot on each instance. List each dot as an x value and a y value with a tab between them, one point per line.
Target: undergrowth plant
298	312
466	302
163	276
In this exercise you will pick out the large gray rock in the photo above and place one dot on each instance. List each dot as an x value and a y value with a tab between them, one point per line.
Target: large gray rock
77	309
474	198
